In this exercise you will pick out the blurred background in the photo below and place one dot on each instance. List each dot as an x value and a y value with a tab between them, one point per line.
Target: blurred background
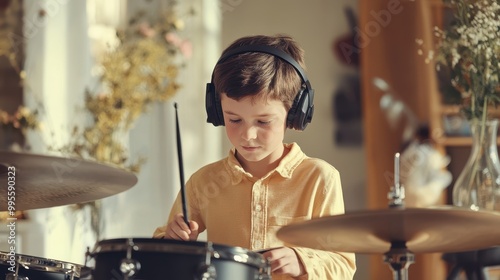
63	90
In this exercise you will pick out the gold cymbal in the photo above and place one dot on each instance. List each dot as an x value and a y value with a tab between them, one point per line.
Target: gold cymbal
423	230
39	181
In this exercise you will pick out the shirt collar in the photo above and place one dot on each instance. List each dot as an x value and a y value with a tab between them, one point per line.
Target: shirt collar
285	168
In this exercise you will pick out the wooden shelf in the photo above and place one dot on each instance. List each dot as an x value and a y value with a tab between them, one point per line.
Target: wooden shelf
450	109
457	141
455	109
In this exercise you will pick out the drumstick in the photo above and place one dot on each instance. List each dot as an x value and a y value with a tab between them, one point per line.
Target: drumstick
181	170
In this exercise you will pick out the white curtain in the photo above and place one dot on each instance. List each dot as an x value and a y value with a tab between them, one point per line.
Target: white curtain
59	66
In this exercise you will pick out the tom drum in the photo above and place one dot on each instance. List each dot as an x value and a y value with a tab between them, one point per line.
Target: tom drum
143	258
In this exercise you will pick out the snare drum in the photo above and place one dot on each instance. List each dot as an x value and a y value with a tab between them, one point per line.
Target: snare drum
24	267
143	258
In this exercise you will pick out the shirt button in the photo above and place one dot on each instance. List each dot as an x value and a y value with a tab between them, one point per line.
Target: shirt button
258	208
258	244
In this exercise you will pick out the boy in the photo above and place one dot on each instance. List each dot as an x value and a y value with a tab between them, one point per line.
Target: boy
258	90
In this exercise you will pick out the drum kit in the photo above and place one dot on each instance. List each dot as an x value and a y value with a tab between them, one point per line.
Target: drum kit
397	232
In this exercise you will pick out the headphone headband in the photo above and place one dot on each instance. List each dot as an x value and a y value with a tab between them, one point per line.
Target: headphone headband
269	50
302	109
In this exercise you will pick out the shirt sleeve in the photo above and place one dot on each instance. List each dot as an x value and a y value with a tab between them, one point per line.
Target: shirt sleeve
320	264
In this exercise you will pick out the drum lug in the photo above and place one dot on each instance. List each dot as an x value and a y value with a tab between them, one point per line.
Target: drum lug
266	273
128	266
15	275
207	271
88	256
12	276
86	270
264	277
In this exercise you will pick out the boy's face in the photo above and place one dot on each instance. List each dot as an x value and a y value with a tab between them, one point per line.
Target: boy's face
255	127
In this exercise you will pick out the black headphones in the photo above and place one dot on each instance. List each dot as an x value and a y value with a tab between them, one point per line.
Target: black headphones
301	112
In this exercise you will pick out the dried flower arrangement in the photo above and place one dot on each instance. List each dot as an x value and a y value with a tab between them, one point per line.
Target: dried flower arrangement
470	49
141	70
22	119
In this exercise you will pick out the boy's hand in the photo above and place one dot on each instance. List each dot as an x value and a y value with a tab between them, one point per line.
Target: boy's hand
284	260
178	229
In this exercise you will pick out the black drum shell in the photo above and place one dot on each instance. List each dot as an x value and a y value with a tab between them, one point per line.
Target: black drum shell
173	259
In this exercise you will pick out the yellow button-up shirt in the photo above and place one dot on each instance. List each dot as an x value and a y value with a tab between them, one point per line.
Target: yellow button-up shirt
240	210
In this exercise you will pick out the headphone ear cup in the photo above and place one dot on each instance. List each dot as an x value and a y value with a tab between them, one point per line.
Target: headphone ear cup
301	112
213	106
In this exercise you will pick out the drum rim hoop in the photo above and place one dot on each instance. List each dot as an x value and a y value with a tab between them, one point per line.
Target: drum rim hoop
237	254
43	264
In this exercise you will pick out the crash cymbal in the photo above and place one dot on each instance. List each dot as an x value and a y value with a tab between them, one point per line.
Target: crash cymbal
45	181
422	230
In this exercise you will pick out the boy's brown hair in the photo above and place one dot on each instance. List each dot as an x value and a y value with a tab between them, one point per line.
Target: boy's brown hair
260	75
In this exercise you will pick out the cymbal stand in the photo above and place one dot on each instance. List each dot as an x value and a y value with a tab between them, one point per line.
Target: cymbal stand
399	259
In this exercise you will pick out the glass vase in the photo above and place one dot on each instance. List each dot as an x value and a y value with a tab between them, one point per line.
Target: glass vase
478	185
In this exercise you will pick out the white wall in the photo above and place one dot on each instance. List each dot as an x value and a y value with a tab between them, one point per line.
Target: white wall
315	25
58	61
